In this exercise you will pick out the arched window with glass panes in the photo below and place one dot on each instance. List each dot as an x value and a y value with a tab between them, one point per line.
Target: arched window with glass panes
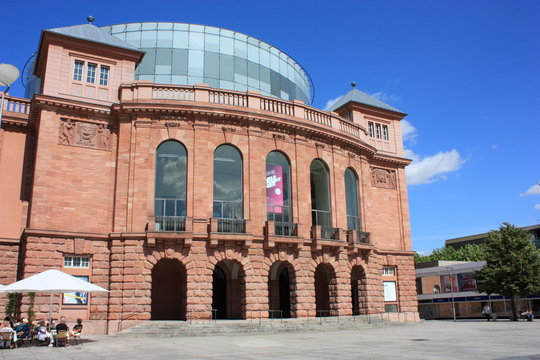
228	189
351	197
320	199
170	186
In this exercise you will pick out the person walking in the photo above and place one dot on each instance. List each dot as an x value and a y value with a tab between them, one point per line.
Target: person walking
487	312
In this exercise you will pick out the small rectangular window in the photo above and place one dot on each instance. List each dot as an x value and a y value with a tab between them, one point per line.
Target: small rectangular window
378	130
77	70
91	73
385	132
76	262
104	75
388	271
370	125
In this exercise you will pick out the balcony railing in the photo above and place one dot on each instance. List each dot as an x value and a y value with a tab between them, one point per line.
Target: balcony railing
328	232
170	223
231	225
201	93
285	229
16	105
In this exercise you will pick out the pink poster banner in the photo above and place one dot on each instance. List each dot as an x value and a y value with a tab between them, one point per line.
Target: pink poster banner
274	188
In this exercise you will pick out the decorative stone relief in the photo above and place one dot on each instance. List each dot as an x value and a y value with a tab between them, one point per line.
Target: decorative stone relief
383	178
89	135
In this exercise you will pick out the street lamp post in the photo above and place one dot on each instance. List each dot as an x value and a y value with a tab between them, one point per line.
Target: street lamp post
8	75
452	290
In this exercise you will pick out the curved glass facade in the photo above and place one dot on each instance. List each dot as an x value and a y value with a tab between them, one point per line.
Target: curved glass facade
186	54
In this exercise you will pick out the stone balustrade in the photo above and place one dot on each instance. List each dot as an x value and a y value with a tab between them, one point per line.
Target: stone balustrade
142	91
16	105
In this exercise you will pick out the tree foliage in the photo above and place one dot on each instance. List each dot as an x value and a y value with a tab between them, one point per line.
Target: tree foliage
470	252
512	265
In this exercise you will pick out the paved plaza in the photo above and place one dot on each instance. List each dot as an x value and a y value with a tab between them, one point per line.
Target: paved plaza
428	340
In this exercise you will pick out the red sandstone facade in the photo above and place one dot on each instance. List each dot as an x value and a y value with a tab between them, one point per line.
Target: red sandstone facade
77	169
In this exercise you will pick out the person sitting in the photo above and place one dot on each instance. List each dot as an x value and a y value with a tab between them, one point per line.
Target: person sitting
23	330
42	334
62	331
8	335
527	315
77	329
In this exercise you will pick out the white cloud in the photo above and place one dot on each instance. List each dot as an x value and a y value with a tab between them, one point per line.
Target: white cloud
533	190
332	102
424	252
408	131
432	168
537	206
386	97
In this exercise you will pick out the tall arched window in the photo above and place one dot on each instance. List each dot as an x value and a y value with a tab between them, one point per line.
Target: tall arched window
320	194
228	183
278	187
170	186
351	197
278	194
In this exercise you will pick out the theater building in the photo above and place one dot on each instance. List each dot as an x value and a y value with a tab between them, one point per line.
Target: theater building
182	167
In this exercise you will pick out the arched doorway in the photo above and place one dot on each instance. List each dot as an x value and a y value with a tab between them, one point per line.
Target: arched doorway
168	290
325	282
228	290
280	287
358	290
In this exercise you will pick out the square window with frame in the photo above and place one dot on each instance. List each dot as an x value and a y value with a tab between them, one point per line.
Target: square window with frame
389	271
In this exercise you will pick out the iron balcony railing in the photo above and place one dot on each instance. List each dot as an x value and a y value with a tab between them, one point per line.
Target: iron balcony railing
170	223
231	226
320	217
285	229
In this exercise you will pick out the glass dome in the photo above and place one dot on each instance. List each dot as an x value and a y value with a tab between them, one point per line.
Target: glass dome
187	54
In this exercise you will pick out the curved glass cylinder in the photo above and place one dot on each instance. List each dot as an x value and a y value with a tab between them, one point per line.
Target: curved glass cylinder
278	188
320	193
186	54
170	185
351	197
227	183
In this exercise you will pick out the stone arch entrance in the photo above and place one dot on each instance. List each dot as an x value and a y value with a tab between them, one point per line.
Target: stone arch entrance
325	289
280	288
168	290
358	290
228	290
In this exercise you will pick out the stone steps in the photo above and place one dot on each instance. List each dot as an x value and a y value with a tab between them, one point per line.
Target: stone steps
250	327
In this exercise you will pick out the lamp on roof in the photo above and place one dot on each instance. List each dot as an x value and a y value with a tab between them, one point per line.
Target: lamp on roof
8	75
90	19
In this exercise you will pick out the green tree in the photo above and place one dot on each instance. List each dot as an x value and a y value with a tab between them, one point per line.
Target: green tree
512	265
470	252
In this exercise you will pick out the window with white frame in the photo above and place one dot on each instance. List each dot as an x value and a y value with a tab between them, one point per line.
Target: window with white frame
103	75
76	262
388	271
378	131
78	70
91	73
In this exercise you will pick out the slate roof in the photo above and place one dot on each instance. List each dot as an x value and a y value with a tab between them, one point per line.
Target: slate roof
92	33
360	97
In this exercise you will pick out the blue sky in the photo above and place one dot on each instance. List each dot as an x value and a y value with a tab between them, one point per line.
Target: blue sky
466	72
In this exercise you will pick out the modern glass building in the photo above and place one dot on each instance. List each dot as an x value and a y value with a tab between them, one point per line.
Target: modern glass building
186	54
